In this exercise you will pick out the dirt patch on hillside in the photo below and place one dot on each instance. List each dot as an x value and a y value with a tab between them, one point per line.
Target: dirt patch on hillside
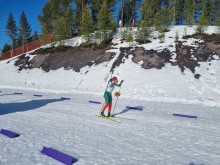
205	37
146	58
65	57
186	56
189	57
78	57
151	58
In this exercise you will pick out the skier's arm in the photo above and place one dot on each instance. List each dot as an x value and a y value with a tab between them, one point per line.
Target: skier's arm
119	85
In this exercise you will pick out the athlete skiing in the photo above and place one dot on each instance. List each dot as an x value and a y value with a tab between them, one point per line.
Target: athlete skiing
108	95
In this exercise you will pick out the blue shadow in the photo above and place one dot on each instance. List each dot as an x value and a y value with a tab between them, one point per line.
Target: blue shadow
24	106
130	109
6	94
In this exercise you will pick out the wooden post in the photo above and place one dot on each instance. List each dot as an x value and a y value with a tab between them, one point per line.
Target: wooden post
12	47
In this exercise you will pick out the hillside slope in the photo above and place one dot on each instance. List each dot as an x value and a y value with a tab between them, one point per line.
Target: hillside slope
183	71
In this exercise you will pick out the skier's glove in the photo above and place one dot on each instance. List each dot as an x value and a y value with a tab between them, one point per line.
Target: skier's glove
117	94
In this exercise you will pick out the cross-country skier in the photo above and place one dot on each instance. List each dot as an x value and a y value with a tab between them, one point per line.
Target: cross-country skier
108	95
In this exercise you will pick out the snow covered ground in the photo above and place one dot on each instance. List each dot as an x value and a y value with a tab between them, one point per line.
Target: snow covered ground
155	136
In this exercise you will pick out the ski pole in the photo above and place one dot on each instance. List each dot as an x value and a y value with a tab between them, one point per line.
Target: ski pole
116	101
101	108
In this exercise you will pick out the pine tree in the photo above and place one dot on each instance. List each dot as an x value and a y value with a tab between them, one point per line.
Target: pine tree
55	12
35	36
87	25
24	30
178	12
80	6
166	3
174	11
106	21
6	48
11	29
64	31
162	19
208	9
46	19
216	12
96	6
66	19
203	22
148	10
189	12
129	9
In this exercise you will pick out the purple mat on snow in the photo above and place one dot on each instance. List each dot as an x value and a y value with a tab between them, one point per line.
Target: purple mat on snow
18	93
65	98
137	108
9	133
64	158
180	115
37	95
95	102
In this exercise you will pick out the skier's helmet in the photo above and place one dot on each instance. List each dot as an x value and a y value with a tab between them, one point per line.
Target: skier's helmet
114	79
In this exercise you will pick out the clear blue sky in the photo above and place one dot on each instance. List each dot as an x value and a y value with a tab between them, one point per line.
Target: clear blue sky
31	8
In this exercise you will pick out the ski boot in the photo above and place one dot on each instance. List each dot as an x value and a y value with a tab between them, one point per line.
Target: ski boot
109	115
102	113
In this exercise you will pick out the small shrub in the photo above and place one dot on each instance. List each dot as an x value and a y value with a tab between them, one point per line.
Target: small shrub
161	36
176	37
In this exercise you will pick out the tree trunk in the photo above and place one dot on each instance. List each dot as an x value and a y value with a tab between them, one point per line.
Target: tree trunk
82	5
122	6
211	8
174	12
193	11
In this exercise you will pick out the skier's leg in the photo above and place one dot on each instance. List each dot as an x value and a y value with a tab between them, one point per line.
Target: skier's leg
106	106
107	99
110	105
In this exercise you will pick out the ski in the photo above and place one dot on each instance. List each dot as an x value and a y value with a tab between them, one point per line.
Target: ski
109	118
116	117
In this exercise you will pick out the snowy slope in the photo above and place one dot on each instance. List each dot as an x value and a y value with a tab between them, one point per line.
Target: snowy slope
167	84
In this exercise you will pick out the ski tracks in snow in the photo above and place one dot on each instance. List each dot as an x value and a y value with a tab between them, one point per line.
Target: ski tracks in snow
155	137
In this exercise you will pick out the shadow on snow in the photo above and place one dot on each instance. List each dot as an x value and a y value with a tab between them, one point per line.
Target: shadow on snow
130	109
25	106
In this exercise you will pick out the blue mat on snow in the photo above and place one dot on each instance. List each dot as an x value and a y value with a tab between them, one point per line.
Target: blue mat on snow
9	134
95	102
181	115
62	157
37	95
18	93
65	98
